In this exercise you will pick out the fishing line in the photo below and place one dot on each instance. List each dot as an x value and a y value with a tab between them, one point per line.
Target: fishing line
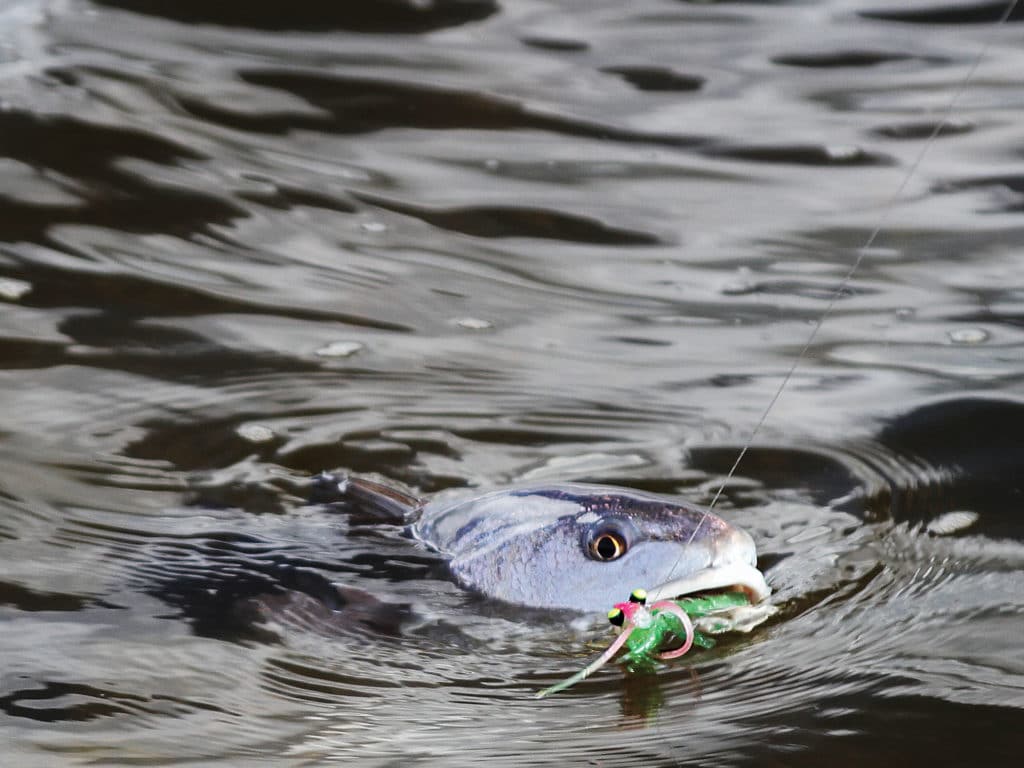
887	209
883	219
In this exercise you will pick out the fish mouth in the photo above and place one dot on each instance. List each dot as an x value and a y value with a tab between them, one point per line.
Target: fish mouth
731	577
731	566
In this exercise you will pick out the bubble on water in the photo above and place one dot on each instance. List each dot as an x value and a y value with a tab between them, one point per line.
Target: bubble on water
952	522
905	313
739	288
255	433
492	164
742	284
12	289
473	323
968	336
340	349
374	226
842	152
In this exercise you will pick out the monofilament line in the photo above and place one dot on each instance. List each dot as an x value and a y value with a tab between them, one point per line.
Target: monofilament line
883	219
861	252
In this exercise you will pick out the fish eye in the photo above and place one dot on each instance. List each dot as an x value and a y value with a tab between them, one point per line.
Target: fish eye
607	545
609	539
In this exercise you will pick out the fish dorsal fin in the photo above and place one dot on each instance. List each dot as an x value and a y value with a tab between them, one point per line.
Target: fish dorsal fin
381	501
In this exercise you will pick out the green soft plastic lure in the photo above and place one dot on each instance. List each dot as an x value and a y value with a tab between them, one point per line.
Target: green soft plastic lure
646	630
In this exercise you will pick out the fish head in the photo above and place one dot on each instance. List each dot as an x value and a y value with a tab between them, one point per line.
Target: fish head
582	547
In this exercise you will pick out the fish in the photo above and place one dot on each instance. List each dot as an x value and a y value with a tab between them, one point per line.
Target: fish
572	546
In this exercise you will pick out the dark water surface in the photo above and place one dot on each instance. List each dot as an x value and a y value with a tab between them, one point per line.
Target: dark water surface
461	243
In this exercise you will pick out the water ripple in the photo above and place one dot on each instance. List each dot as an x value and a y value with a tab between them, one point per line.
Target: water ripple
457	244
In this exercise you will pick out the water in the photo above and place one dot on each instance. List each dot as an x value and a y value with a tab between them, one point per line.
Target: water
459	244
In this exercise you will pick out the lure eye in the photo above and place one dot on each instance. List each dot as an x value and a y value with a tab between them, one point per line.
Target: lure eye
638	596
616	617
607	546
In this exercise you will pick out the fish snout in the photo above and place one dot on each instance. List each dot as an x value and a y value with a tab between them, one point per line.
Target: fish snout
731	567
734	545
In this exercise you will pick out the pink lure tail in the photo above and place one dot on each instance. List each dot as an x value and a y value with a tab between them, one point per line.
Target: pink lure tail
592	667
668	605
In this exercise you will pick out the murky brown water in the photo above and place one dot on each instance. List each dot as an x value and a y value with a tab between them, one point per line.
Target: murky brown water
465	243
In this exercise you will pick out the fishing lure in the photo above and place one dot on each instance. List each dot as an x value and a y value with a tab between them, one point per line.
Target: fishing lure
645	631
